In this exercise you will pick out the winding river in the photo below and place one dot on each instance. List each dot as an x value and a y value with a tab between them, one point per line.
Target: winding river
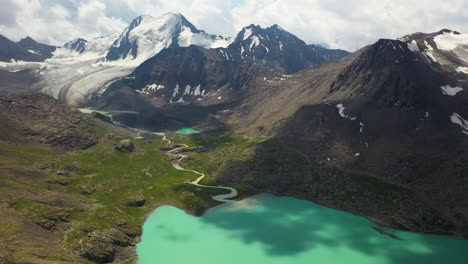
225	198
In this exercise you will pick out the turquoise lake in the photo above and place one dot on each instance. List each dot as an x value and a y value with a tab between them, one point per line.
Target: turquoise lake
187	131
283	230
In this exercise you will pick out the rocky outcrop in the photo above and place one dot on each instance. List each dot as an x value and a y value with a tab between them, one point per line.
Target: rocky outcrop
39	118
125	145
104	246
137	200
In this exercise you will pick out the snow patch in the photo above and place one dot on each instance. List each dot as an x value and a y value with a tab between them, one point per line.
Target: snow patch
254	43
176	91
450	41
463	70
457	44
197	91
152	88
429	52
187	90
458	120
450	91
341	109
413	46
187	38
247	33
34	52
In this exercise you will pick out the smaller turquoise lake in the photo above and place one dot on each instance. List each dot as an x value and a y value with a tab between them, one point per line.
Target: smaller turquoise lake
266	229
187	131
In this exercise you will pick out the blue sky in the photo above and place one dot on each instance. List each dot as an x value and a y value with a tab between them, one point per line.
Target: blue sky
237	3
346	24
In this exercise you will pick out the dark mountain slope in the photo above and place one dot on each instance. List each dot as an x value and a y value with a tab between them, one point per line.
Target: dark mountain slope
179	77
23	50
379	133
38	48
193	74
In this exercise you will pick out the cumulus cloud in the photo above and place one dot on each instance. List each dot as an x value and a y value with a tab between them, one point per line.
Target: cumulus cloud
346	24
351	24
56	22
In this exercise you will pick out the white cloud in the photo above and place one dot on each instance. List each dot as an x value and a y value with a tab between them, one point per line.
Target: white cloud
57	22
348	24
351	24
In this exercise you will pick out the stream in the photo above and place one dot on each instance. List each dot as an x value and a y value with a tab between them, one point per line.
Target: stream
225	198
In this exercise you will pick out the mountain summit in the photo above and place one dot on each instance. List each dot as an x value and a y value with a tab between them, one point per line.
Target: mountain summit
26	49
147	36
279	49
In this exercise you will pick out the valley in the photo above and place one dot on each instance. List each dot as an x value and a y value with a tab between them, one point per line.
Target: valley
90	204
109	145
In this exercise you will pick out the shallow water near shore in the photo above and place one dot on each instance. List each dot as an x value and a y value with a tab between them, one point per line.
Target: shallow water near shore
269	229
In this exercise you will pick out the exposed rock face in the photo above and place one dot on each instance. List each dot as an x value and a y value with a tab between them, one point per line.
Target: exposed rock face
40	118
102	246
49	220
192	74
125	145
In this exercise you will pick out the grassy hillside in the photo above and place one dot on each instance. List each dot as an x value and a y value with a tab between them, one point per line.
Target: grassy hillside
78	207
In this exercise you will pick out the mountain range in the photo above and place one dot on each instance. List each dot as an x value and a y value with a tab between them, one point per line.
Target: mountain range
380	132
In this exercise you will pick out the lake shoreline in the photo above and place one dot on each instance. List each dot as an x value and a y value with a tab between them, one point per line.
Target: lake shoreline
301	229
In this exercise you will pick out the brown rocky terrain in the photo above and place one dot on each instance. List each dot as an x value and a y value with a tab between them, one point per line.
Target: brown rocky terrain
35	117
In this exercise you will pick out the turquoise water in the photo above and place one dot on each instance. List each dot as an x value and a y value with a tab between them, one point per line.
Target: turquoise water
187	130
283	230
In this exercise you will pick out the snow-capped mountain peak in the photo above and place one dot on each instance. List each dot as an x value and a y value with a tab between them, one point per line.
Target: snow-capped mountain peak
446	47
147	36
78	45
82	50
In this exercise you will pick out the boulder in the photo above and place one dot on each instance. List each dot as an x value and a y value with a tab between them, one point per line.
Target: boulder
137	200
125	145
